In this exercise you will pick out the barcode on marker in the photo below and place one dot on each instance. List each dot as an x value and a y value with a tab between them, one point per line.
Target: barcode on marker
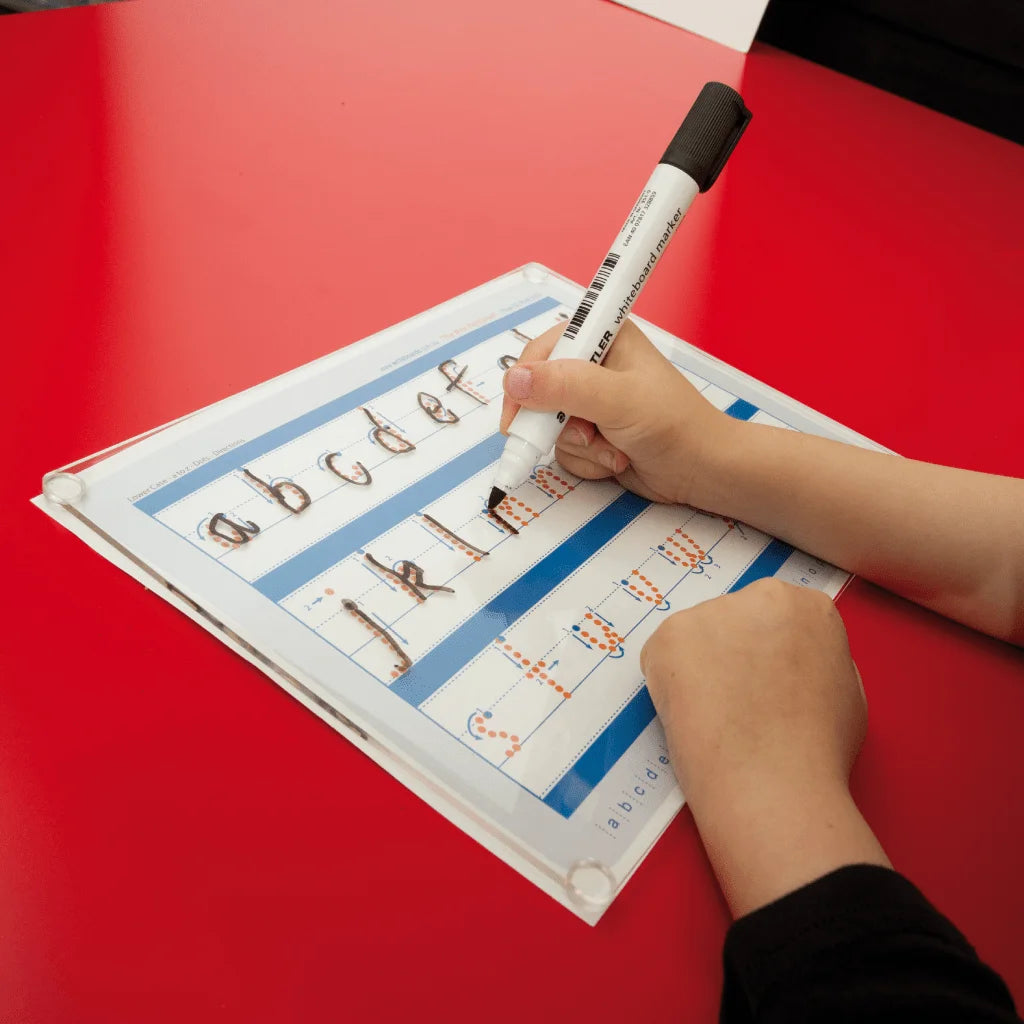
591	296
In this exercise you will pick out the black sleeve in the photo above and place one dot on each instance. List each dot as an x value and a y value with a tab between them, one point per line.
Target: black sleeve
859	944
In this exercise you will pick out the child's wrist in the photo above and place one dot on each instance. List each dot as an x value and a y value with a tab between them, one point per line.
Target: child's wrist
768	838
720	438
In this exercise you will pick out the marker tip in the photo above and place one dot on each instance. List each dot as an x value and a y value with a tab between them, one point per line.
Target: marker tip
496	498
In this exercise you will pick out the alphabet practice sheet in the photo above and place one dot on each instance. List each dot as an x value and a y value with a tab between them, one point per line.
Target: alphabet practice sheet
330	526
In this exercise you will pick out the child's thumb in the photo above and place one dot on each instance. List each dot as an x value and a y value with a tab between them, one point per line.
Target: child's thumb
573	386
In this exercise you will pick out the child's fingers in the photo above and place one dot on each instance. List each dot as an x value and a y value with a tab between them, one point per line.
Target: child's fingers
575	386
577	432
584	468
538	349
508	411
541	346
599	451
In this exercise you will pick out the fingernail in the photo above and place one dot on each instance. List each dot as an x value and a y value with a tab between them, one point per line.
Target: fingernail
575	436
608	459
518	382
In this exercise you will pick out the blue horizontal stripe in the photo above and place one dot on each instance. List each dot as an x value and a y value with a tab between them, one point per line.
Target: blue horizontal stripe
597	760
436	667
308	564
741	410
238	457
767	563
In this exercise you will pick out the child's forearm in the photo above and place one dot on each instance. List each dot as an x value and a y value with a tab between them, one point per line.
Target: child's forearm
949	539
765	841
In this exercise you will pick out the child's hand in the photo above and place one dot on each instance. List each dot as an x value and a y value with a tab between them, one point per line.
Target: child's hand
764	713
636	418
757	686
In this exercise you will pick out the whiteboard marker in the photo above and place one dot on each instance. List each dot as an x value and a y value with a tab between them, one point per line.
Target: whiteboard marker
691	164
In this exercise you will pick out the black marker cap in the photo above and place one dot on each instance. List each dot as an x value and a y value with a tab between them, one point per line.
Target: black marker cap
708	134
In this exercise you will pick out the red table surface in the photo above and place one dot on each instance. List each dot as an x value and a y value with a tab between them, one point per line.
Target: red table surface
197	197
